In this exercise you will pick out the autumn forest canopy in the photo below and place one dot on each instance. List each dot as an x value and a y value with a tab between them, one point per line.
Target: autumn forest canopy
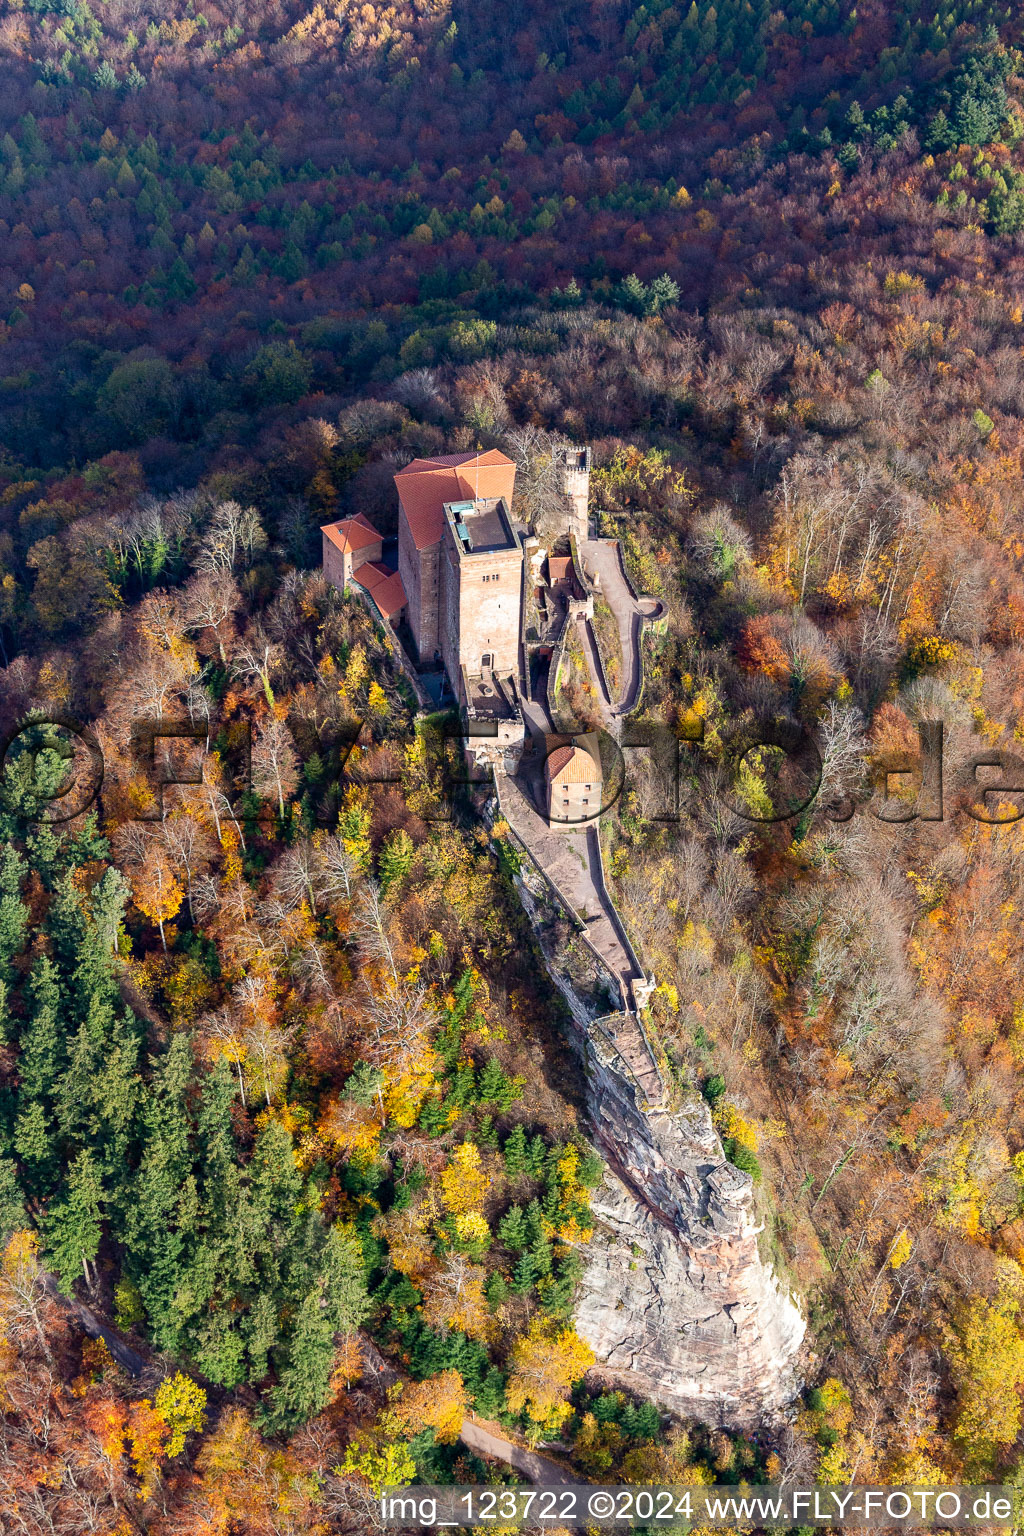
287	1095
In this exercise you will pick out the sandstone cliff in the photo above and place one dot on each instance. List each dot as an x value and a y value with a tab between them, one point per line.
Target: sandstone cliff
676	1302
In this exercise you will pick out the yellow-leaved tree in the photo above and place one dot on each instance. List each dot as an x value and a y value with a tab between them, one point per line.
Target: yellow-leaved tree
181	1403
464	1182
986	1358
438	1403
546	1362
157	893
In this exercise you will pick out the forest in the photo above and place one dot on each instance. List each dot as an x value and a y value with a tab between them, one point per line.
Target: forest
286	1094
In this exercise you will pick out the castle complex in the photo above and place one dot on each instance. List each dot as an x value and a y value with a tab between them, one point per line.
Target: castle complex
677	1300
461	579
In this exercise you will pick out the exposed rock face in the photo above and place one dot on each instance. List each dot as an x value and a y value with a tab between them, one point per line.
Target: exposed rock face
676	1301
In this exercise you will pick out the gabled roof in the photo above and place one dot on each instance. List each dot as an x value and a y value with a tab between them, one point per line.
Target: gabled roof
384	586
572	765
426	484
351	533
559	567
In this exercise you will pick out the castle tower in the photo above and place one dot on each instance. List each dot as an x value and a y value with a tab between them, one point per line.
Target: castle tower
424	488
576	485
483	571
461	563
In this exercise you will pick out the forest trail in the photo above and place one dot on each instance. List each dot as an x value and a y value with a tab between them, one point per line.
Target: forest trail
128	1358
539	1469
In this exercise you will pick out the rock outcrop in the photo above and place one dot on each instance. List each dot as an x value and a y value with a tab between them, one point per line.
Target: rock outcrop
676	1301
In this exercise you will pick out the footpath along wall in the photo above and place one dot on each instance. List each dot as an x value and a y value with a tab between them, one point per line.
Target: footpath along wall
676	1300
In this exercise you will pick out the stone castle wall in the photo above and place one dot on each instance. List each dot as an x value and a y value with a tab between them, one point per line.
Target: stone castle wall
676	1300
410	570
335	564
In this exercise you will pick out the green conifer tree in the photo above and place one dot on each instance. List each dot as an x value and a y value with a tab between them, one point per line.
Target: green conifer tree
73	1224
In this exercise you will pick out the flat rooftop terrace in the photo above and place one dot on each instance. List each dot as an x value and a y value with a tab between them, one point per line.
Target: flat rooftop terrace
487	698
481	526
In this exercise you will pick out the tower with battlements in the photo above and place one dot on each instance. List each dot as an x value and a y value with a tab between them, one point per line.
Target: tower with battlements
576	485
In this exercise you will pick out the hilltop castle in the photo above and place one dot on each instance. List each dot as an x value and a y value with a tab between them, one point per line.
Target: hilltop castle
460	582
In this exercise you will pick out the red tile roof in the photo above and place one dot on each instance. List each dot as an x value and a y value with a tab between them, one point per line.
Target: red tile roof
426	484
351	533
559	567
384	586
572	765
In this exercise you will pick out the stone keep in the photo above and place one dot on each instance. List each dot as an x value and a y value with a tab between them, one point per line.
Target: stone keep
482	565
461	561
347	545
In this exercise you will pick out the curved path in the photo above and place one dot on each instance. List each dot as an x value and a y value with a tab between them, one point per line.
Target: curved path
539	1469
97	1328
602	560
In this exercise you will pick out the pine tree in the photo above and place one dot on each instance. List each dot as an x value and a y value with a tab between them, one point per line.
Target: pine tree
96	1096
487	1132
36	1146
541	1255
496	1290
523	1274
396	858
536	1156
534	1220
261	1330
42	1054
12	1210
364	1084
160	1193
514	1152
73	1224
632	294
496	1087
13	912
664	291
513	1230
216	1152
489	1398
304	1365
340	1262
